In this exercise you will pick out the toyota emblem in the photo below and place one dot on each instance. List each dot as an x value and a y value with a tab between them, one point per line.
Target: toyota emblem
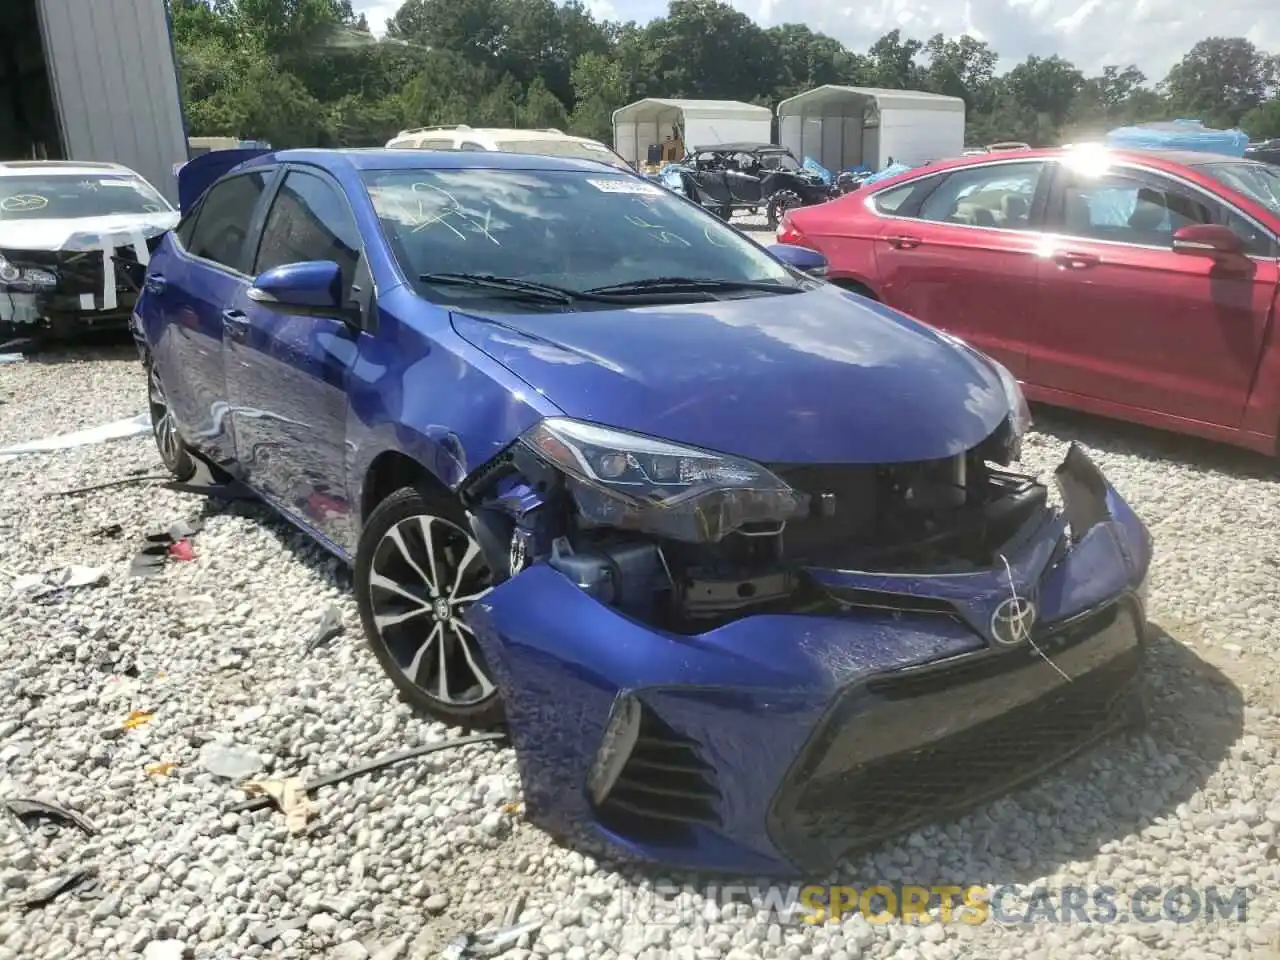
1013	621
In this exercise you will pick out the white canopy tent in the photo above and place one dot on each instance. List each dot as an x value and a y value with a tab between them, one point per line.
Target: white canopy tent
697	123
843	127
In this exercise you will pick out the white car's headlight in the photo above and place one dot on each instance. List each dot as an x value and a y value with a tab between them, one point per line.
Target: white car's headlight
8	272
631	482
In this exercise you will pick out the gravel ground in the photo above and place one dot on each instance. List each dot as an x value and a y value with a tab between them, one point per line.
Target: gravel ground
395	864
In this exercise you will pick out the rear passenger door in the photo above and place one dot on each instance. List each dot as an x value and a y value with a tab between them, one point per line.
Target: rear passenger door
962	255
191	284
1128	322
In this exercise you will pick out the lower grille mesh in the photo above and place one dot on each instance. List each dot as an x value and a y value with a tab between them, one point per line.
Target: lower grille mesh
664	787
871	800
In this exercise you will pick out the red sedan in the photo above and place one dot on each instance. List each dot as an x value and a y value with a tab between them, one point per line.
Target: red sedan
1137	285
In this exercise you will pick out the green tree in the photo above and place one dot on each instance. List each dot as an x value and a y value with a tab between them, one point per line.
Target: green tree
1263	121
1220	79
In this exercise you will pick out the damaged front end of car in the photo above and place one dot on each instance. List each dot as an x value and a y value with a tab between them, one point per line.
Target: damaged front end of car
714	663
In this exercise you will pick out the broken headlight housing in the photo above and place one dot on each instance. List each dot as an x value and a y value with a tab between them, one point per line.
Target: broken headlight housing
631	482
33	276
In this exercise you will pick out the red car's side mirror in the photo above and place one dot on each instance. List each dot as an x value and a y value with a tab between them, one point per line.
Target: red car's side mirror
1208	240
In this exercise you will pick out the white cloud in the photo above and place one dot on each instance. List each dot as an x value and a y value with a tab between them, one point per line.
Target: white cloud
1154	34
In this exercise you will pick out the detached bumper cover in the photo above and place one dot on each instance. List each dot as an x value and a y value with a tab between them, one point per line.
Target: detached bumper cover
778	743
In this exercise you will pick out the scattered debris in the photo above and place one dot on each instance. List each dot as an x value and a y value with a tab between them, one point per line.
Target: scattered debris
232	762
488	943
257	803
26	809
23	810
290	796
160	769
217	489
39	585
329	628
161	545
112	531
116	430
123	482
49	890
136	719
12	358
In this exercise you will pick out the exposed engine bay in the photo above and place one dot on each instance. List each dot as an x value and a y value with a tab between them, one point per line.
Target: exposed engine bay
689	563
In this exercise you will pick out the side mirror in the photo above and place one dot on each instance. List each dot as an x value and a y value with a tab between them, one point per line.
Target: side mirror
313	288
800	258
1208	240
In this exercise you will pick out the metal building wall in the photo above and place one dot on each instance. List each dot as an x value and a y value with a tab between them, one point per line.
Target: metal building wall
115	84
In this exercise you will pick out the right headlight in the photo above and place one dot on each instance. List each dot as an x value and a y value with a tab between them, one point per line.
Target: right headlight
632	482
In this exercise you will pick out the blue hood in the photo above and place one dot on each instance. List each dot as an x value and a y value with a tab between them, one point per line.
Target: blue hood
818	377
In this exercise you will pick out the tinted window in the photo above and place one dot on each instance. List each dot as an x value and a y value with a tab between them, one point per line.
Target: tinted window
69	196
1128	208
223	221
309	220
888	201
472	146
568	228
999	195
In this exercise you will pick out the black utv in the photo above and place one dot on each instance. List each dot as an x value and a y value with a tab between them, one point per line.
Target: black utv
747	176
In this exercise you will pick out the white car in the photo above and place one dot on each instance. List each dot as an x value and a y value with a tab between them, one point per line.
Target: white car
68	231
546	142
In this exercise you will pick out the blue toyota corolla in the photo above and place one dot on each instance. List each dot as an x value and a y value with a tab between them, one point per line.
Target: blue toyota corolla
737	557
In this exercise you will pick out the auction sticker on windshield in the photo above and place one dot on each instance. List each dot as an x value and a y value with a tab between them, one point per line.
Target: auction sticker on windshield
631	187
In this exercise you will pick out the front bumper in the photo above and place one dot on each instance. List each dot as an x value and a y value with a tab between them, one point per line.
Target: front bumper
779	743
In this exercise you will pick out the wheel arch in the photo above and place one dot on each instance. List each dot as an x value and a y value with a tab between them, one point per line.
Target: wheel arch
390	470
856	285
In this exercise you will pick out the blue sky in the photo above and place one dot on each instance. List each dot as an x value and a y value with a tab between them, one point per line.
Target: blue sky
1151	33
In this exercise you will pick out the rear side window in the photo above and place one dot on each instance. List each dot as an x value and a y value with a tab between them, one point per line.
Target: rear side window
310	220
472	146
998	195
223	221
889	201
434	144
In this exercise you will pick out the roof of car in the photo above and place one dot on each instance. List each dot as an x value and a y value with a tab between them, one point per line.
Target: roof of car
1154	158
390	158
15	168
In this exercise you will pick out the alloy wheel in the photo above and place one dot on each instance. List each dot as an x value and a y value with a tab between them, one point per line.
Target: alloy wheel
426	572
162	422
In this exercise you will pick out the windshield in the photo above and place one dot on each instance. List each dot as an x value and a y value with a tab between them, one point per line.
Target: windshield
568	228
1257	181
71	196
576	149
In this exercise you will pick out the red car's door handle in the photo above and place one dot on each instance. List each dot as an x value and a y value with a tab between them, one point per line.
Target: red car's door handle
904	242
1076	261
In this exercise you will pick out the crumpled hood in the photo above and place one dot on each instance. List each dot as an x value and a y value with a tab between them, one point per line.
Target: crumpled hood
84	233
818	377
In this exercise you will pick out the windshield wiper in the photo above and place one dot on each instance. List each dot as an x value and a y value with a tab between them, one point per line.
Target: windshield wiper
691	285
526	289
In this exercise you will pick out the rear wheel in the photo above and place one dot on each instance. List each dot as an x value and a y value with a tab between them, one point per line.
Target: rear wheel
177	459
417	571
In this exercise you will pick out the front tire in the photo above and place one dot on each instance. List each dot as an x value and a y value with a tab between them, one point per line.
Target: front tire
173	452
417	570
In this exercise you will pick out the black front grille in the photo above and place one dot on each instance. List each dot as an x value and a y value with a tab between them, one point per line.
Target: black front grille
664	787
875	767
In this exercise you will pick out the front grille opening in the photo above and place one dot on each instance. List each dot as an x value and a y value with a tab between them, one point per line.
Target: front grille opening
909	683
873	800
889	602
665	787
